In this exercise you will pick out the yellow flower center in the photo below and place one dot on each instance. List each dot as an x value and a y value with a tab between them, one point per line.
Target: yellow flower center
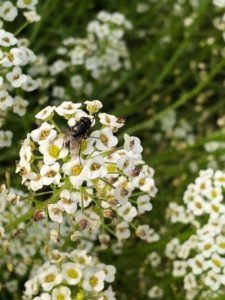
207	246
76	170
51	173
60	297
111	168
50	278
81	260
104	139
222	245
217	262
95	167
44	134
54	151
93	281
72	273
27	2
213	193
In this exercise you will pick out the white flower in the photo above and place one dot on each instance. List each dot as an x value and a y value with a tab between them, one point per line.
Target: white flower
97	167
145	184
19	106
126	164
50	278
197	264
55	213
144	204
127	212
109	270
28	4
81	258
133	144
77	170
30	84
105	139
68	201
16	78
6	100
122	231
76	82
93	106
110	120
71	273
53	151
44	133
43	296
45	113
8	11
93	281
50	174
67	108
7	39
31	16
155	292
179	268
61	293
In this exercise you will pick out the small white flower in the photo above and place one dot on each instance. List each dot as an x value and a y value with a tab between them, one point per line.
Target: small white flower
7	39
6	100
93	106
50	174
67	108
109	270
8	11
31	16
127	212
105	139
179	268
50	278
19	106
68	201
94	281
77	170
97	167
44	133
16	78
55	213
71	273
28	4
155	292
123	231
144	204
45	113
53	151
132	144
61	293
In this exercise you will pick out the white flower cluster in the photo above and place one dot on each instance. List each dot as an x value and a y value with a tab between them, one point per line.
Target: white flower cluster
14	56
100	53
67	276
101	187
200	260
17	253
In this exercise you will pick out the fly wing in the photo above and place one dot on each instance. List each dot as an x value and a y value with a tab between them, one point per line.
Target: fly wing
75	146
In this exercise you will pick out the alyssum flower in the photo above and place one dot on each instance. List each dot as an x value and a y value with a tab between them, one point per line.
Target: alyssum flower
101	187
70	275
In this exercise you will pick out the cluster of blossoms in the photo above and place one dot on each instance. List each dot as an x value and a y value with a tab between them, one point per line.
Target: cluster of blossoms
67	276
17	253
98	189
178	132
100	53
14	56
200	259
